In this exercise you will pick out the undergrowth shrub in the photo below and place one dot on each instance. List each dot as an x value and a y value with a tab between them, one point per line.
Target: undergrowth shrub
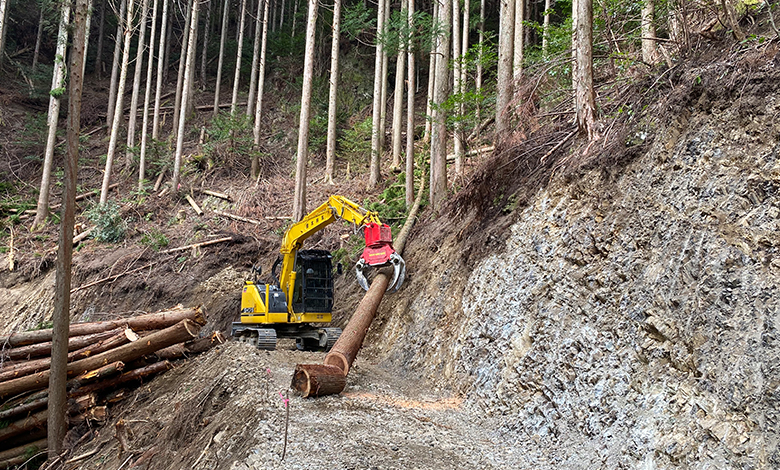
110	227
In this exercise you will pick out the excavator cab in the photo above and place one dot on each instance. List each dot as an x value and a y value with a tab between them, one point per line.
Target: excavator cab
313	290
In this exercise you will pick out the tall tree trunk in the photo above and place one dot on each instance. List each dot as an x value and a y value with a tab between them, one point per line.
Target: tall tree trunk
457	64
240	47
330	153
281	15
139	63
86	38
410	108
3	27
584	93
250	101
147	98
648	32
505	66
383	100
260	89
115	62
169	39
180	78
99	52
221	60
294	17
440	91
545	27
57	421
160	71
38	38
204	57
431	80
120	94
373	177
57	90
189	64
398	98
480	55
299	201
519	42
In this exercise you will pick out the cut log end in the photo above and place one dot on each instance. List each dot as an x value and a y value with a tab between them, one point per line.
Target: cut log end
336	359
316	380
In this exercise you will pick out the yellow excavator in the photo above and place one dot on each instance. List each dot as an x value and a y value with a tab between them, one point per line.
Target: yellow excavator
302	292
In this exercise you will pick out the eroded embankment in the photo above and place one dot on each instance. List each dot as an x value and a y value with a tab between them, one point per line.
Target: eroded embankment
626	318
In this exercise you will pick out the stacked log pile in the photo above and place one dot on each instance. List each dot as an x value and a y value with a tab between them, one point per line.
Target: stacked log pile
105	357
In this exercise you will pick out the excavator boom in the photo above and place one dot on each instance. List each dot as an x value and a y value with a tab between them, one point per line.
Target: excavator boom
377	253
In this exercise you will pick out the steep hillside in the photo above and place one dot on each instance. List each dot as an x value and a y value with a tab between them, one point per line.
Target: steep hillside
627	317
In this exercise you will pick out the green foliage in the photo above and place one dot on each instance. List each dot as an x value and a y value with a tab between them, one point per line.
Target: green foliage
154	239
355	143
110	226
58	92
230	143
392	204
356	19
43	325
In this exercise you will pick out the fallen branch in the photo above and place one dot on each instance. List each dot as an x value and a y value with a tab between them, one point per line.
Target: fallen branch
111	278
159	179
473	152
237	217
198	245
216	194
194	204
557	146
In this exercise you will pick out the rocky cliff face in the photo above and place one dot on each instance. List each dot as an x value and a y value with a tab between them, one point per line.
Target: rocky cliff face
628	318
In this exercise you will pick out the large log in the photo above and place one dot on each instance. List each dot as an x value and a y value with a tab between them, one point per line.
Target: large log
195	346
44	349
41	400
119	337
182	331
23	425
314	380
152	321
23	450
136	374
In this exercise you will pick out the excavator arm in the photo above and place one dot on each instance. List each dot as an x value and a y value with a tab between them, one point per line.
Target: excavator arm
378	251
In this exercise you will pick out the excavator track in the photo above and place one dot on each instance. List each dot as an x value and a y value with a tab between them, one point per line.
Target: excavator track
261	338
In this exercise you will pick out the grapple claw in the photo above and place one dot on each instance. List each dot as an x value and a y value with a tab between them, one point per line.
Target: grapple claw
399	272
361	277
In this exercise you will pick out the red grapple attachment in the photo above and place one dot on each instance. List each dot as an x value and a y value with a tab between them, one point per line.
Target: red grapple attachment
378	252
379	244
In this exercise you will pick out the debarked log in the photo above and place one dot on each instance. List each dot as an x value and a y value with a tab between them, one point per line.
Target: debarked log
314	380
182	331
151	321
